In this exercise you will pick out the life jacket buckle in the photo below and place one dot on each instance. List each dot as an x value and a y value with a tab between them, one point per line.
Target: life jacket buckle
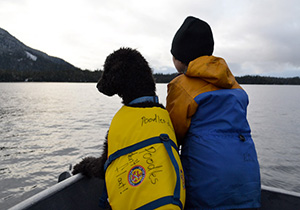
164	137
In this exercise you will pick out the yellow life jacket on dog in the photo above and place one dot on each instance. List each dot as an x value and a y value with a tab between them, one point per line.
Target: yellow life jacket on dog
143	170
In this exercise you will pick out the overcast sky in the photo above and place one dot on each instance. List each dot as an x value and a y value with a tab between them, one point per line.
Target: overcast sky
256	37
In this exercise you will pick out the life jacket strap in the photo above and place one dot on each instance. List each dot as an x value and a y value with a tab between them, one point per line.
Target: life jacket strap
175	199
103	203
163	138
140	145
160	202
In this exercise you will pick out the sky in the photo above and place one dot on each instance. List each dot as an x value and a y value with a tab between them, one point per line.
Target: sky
255	37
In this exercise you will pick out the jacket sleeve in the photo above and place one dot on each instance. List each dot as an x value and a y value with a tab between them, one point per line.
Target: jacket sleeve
181	107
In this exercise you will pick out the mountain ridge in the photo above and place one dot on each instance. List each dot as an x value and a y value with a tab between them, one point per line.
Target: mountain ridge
19	63
15	55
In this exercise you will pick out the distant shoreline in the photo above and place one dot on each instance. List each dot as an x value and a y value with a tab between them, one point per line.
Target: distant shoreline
93	76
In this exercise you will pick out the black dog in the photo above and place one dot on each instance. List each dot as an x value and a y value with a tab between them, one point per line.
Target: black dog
142	128
127	74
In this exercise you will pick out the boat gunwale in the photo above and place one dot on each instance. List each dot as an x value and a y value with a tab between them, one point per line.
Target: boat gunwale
47	192
43	195
281	191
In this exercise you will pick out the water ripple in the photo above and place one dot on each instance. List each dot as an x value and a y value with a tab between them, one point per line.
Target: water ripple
45	127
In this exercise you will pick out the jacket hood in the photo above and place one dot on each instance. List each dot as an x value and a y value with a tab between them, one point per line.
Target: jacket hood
211	69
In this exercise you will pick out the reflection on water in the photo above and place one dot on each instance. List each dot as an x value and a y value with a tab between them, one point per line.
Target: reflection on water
44	128
274	117
47	126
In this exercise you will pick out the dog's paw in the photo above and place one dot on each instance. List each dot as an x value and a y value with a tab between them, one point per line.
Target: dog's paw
90	167
85	167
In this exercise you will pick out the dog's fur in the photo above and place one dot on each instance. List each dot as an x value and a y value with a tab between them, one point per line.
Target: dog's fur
126	73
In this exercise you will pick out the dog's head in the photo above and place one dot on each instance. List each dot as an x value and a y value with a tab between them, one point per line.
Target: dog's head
126	73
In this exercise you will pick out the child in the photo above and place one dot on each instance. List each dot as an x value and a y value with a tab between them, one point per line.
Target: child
208	111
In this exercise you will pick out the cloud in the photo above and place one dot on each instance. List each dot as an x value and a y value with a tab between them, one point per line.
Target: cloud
254	37
261	37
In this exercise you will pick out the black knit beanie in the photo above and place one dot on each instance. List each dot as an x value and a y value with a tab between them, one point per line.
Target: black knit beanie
193	39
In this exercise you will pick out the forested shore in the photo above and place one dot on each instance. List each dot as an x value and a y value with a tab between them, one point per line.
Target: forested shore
93	76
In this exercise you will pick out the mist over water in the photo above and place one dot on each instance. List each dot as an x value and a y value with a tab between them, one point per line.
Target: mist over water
45	127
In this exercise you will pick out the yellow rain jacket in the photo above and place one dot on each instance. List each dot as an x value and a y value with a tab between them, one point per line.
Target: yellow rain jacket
208	109
143	170
204	74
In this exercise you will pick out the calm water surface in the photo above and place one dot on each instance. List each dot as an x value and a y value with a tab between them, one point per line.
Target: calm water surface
45	127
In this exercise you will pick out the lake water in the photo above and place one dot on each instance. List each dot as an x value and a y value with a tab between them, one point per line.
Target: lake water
45	127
